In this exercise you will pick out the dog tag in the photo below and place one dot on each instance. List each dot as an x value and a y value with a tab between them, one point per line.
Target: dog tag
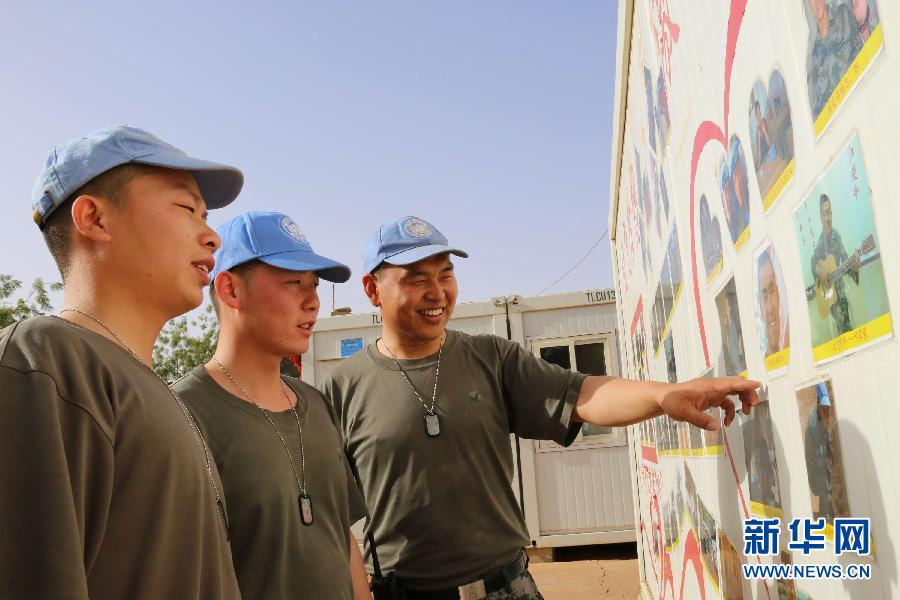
432	425
306	515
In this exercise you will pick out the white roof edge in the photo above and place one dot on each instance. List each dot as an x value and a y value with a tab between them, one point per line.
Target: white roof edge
620	103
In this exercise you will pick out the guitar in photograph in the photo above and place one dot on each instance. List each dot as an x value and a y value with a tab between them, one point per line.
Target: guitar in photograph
830	273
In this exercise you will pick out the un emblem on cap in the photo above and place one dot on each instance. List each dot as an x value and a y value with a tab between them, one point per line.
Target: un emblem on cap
417	228
292	229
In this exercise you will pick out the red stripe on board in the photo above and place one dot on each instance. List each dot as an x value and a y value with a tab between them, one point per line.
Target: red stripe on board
707	132
637	314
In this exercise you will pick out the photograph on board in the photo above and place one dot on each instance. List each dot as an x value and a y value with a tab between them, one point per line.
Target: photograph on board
668	426
671	368
759	460
787	589
662	436
649	202
732	576
684	439
663	118
665	290
696	435
734	360
771	138
822	450
690	495
708	538
660	195
735	189
662	191
640	349
844	39
651	107
712	440
678	491
673	255
841	261
670	521
710	240
655	317
771	310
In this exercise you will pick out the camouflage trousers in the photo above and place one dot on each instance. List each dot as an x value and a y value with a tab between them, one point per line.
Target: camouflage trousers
522	587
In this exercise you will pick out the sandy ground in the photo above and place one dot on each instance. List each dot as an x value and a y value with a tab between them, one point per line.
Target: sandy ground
586	572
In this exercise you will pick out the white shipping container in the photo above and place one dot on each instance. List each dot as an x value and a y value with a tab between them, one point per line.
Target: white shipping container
570	496
753	228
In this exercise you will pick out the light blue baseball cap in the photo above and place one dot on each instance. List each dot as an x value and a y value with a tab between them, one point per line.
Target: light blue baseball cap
275	239
404	242
73	164
822	394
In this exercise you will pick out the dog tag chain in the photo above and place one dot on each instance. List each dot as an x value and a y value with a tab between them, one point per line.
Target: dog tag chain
304	502
432	421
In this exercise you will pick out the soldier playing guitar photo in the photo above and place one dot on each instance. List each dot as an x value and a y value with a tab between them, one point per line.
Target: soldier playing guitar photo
830	263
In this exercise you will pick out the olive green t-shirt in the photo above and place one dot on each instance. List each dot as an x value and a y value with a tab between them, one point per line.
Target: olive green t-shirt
443	509
275	555
104	489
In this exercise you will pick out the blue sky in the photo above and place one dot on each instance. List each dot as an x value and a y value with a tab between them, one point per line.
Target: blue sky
491	120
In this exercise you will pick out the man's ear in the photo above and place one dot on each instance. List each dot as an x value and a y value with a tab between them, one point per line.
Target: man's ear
90	216
370	287
228	289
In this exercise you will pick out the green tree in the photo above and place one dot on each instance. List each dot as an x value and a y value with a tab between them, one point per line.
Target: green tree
177	350
35	303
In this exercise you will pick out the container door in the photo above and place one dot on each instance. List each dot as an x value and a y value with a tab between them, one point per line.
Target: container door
584	491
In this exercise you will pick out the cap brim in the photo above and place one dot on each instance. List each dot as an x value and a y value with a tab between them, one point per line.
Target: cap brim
220	184
413	255
327	269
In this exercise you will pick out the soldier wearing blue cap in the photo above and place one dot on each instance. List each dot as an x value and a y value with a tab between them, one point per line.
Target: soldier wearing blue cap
426	415
108	488
291	495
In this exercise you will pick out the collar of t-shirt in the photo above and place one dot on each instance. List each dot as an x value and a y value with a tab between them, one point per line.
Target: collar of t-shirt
221	393
410	364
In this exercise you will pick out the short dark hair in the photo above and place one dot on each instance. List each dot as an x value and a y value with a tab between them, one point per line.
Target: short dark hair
242	270
823	199
110	185
764	258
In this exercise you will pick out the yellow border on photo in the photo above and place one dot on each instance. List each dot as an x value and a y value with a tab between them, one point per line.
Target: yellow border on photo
875	329
764	510
856	69
715	271
778	360
785	178
742	239
715	450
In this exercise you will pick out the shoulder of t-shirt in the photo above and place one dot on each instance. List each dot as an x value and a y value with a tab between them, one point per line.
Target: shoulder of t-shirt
5	335
42	346
38	344
347	369
187	383
484	344
311	393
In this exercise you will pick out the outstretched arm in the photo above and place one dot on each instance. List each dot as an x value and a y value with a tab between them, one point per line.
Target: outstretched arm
613	401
